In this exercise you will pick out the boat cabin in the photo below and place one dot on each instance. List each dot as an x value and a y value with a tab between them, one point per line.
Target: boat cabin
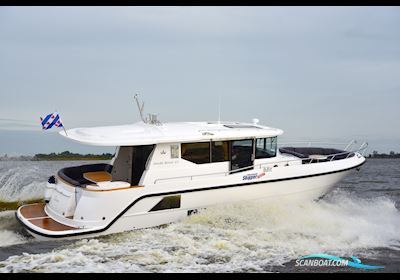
189	148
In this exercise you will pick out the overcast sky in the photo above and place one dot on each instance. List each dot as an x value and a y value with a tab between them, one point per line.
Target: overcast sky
316	72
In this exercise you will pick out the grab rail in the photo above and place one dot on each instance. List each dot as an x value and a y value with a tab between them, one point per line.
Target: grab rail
361	149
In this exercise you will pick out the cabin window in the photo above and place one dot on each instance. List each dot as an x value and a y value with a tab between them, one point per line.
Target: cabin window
266	147
168	202
174	151
220	151
196	152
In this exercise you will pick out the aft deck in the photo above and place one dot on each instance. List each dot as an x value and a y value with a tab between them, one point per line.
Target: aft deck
36	215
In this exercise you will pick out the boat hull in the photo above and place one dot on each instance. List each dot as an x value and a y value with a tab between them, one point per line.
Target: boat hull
303	188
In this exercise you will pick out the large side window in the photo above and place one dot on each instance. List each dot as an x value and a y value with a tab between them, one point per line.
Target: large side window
266	147
196	152
241	154
220	151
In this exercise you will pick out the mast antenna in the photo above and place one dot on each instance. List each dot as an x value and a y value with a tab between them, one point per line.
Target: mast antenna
140	107
151	119
219	109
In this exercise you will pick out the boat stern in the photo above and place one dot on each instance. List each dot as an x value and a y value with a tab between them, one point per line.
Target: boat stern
38	223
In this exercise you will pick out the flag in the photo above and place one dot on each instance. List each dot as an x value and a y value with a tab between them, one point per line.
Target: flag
51	120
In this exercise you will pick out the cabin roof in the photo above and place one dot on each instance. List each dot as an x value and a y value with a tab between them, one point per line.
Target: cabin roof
141	133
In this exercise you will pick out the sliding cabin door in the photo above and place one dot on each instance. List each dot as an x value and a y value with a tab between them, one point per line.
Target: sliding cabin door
241	155
139	159
130	163
122	167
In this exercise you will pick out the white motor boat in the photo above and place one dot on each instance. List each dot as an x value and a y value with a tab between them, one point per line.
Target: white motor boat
163	172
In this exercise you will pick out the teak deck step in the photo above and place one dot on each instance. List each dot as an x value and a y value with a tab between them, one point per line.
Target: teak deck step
36	215
50	224
33	211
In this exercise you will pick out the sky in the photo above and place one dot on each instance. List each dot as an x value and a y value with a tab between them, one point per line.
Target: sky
318	73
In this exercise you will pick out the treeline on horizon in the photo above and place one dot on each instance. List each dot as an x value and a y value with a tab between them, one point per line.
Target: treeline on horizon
391	154
67	155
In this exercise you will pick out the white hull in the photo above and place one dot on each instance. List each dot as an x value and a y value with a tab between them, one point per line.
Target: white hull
297	190
306	189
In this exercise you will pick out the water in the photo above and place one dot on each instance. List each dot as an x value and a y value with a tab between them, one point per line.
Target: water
360	218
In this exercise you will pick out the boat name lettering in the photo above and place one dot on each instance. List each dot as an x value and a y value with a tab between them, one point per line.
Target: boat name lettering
165	162
253	176
260	175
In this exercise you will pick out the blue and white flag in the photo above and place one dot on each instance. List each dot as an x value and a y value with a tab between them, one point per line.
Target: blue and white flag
51	120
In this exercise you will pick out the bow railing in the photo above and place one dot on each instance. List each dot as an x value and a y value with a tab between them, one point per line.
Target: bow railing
346	151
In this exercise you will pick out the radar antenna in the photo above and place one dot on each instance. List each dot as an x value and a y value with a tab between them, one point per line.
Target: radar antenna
151	119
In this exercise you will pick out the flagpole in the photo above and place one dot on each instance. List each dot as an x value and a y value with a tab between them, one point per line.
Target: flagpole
62	124
65	130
